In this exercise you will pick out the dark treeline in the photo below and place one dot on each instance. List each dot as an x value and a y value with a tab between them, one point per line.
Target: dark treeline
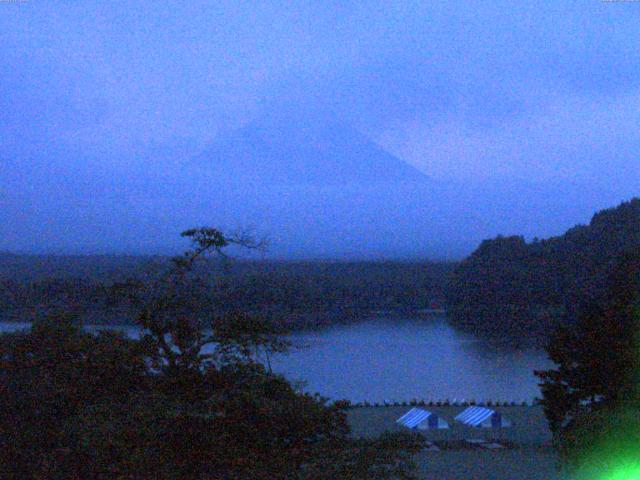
521	290
297	294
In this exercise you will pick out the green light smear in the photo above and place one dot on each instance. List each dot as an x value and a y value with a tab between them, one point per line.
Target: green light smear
609	445
625	472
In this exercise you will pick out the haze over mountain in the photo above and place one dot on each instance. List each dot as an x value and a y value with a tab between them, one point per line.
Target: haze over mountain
319	188
338	129
315	186
304	149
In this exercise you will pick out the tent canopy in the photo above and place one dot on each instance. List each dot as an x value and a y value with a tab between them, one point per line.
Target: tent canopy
421	419
482	417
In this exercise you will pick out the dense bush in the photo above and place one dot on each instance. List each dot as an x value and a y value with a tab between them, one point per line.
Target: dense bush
77	405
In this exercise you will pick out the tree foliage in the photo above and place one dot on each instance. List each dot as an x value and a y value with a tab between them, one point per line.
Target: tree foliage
48	376
511	288
597	372
190	399
296	294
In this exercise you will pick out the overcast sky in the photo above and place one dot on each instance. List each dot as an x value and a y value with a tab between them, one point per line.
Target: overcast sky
463	90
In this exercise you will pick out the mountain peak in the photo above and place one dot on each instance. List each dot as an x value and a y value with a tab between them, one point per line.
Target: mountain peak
304	150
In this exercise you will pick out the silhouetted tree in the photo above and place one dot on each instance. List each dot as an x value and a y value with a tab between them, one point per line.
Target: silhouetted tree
598	364
49	375
190	399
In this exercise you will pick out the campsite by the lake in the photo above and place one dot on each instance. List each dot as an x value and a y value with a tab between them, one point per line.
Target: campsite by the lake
386	368
520	451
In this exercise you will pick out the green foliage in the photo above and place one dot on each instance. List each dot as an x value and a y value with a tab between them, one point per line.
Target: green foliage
523	291
389	456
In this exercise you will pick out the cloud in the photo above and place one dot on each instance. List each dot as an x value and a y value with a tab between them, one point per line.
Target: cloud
151	72
96	94
559	136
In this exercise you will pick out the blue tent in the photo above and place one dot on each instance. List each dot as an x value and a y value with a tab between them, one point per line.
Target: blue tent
482	417
421	419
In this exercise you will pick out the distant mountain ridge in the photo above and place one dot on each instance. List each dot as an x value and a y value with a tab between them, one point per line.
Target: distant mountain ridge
508	287
304	151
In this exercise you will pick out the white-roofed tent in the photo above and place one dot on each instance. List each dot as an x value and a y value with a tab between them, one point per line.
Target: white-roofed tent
483	418
422	420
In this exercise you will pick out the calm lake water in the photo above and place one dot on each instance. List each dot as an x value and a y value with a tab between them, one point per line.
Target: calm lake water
401	359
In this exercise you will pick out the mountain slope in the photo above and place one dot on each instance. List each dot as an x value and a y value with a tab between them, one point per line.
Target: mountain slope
519	289
304	151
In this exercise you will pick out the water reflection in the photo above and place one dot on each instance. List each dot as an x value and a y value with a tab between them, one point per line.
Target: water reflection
400	359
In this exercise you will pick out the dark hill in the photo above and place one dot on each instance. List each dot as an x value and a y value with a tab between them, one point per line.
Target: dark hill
521	290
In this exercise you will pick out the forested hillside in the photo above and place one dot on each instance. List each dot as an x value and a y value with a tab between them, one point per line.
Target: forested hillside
299	294
511	288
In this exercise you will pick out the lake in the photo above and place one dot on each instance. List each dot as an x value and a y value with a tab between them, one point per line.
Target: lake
401	359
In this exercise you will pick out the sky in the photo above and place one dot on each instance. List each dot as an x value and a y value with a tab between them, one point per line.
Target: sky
479	92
